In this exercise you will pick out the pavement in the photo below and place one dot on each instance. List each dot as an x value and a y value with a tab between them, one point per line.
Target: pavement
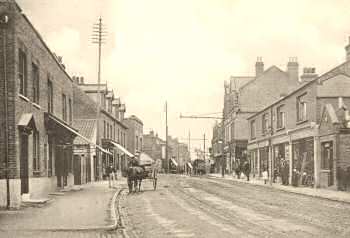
329	194
89	208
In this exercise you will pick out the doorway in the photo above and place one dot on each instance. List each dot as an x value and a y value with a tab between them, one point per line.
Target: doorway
77	170
327	160
24	170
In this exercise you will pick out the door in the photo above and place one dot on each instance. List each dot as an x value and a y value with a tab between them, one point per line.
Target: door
327	160
77	169
24	173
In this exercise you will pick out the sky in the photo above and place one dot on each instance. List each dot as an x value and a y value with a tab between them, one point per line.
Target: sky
182	51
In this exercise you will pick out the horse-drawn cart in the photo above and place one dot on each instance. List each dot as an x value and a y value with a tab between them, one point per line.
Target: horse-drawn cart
141	168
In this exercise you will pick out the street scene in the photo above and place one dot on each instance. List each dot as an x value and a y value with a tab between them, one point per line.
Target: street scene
162	118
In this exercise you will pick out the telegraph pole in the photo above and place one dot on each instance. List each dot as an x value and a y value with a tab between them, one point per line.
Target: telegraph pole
166	137
98	37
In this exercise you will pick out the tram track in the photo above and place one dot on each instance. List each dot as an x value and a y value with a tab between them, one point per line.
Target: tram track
256	228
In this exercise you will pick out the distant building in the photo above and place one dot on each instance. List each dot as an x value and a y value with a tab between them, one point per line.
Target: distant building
217	147
134	134
155	147
112	135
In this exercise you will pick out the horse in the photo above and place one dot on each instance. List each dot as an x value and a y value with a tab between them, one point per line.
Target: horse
135	174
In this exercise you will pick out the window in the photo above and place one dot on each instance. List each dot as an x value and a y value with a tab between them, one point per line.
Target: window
22	72
140	143
118	136
49	95
137	142
265	123
35	76
107	130
104	129
301	108
280	117
64	107
111	131
252	129
36	151
70	111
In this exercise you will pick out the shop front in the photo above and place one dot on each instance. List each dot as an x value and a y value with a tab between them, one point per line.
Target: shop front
264	159
253	161
280	163
303	162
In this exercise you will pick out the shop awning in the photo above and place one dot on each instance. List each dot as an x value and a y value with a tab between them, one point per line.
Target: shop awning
145	159
122	149
189	165
174	162
78	134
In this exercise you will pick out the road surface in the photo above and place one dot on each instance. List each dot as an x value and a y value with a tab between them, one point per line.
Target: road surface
206	207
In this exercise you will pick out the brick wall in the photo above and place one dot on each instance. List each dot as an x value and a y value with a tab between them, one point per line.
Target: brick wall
22	35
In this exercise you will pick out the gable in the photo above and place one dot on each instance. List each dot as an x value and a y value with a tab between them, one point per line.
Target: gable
337	86
329	119
265	89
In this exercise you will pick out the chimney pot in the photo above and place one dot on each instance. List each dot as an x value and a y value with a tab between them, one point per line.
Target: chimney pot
293	68
259	67
347	50
309	74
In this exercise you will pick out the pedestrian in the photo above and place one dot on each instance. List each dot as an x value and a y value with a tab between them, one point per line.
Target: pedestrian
111	175
246	169
265	175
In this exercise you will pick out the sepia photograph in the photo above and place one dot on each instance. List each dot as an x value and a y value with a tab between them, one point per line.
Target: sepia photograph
174	118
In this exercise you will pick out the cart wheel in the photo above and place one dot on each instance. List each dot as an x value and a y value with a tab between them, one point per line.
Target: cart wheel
154	183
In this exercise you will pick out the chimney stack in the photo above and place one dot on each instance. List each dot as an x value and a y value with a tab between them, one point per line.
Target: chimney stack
347	50
81	80
293	68
308	75
259	67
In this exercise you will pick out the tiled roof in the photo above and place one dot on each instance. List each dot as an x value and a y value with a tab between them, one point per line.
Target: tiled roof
85	127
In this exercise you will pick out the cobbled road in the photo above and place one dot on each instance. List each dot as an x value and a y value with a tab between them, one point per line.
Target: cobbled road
207	207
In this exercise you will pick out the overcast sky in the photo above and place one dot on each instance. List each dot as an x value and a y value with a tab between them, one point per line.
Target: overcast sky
183	50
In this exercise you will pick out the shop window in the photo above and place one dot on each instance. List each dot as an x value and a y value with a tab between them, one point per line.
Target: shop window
22	72
303	163
35	78
36	152
252	129
301	108
280	117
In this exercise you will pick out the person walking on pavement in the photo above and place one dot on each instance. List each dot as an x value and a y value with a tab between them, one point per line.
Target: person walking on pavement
246	169
111	175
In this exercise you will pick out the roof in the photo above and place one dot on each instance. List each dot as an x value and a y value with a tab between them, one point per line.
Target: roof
93	87
265	89
27	120
86	127
236	82
333	73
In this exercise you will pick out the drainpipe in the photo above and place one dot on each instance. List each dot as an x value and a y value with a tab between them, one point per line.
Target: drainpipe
4	20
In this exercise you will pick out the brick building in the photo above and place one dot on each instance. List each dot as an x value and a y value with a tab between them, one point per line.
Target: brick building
217	147
111	133
134	134
155	147
36	119
286	138
245	96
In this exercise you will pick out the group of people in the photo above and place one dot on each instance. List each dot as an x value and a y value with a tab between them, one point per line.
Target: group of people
240	168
